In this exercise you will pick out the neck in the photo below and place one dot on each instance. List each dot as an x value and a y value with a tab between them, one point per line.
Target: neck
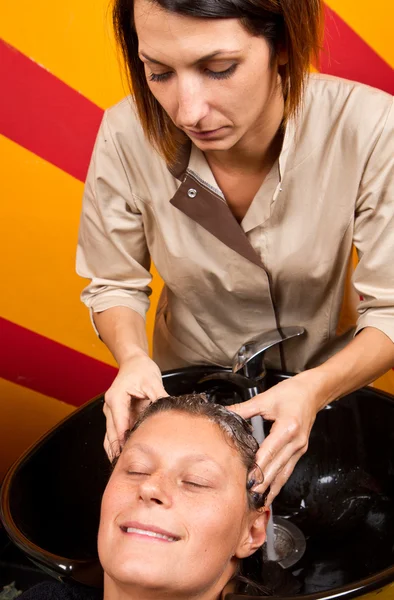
260	146
114	590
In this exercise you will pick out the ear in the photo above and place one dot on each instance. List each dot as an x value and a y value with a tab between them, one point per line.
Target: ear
282	56
255	533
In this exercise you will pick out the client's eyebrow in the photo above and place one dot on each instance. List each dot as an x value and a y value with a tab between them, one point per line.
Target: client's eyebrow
196	62
192	457
199	458
138	446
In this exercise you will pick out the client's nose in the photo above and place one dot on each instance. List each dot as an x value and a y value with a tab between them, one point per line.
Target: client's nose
155	490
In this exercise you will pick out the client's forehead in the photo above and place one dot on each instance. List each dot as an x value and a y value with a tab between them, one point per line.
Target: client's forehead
190	438
151	450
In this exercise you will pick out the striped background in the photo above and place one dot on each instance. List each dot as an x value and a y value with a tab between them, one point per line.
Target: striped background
58	71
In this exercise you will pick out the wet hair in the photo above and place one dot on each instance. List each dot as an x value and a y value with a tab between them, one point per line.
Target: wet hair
294	25
235	429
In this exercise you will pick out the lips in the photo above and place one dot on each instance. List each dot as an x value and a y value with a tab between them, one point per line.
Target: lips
149	531
206	132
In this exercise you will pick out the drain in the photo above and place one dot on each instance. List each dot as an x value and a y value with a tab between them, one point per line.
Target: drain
289	543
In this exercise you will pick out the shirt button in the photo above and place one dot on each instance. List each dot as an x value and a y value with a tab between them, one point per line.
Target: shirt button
192	193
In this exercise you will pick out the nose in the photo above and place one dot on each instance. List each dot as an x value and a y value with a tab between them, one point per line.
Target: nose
192	105
156	490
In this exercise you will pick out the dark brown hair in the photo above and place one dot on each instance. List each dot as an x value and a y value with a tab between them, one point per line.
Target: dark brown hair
296	25
236	430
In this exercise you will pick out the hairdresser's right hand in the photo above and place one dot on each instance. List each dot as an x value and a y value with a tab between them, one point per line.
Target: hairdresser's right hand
140	378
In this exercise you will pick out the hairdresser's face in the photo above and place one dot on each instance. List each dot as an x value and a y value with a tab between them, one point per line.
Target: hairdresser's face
174	514
214	79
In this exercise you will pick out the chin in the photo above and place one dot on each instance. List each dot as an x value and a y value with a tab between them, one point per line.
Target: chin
220	145
140	575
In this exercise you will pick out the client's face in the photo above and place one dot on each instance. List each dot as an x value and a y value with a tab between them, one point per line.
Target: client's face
175	514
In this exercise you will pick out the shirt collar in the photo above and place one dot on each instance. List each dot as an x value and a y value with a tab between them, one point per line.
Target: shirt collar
200	198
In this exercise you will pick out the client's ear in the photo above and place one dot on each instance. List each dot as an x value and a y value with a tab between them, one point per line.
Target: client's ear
255	533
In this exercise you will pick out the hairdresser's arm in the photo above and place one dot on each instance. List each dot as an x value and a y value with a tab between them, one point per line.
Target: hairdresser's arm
293	404
123	332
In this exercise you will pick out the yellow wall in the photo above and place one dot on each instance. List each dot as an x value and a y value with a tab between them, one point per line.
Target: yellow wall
41	202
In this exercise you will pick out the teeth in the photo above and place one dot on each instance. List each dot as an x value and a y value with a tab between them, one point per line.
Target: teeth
150	534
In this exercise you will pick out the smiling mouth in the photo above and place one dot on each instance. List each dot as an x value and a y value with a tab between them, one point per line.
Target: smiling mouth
151	534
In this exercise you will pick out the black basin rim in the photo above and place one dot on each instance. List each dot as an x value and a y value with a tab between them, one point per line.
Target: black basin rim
20	540
339	593
375	582
365	586
43	557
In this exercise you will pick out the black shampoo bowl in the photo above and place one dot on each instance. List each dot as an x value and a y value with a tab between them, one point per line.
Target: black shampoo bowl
341	495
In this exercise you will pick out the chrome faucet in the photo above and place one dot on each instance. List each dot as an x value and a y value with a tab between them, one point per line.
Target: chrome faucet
248	369
249	362
249	359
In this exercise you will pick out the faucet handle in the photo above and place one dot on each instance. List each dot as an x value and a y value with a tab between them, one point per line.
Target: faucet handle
250	357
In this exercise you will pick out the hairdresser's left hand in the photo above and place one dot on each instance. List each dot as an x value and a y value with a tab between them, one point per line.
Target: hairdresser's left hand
292	405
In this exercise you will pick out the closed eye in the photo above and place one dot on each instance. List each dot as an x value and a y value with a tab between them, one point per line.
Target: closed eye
160	77
222	74
194	484
197	484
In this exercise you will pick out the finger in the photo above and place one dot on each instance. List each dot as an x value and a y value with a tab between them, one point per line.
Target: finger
137	406
280	437
154	392
279	463
282	478
106	445
154	388
110	449
161	392
113	439
134	392
250	408
118	403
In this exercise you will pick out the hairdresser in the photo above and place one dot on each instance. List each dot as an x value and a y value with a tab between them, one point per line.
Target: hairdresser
247	182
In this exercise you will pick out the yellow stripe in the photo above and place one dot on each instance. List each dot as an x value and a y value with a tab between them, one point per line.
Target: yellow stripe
386	383
157	286
374	23
38	234
71	39
24	417
38	237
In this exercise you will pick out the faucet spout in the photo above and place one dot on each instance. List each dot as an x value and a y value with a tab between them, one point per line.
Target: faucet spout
249	359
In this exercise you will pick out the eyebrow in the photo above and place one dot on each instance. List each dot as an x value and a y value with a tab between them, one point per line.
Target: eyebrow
199	60
193	457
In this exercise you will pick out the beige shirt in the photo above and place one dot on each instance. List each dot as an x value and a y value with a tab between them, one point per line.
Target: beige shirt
286	264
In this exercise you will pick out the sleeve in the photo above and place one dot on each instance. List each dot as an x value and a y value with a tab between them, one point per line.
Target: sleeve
112	250
374	235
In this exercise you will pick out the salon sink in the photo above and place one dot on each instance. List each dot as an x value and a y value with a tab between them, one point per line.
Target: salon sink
341	496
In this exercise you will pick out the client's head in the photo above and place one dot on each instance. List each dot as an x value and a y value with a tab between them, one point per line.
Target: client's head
179	510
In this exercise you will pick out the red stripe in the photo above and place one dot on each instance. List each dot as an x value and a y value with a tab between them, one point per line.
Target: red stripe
45	366
347	55
49	118
46	116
